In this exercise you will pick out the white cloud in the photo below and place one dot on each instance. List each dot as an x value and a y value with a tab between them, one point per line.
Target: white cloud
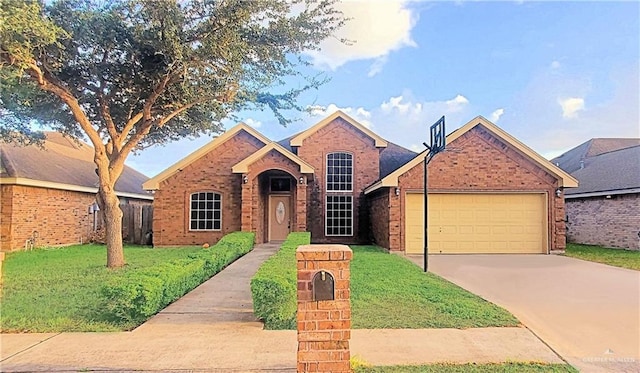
555	65
404	119
253	123
571	106
495	116
457	103
376	66
361	115
375	28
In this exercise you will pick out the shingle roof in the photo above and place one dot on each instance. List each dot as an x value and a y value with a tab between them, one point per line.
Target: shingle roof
64	161
570	161
614	171
392	157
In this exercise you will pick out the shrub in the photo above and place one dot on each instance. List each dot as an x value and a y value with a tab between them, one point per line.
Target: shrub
273	287
139	294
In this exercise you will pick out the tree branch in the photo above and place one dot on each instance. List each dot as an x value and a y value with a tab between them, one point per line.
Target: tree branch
68	98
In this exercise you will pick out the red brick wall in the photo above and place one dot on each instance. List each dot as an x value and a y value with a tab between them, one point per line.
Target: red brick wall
477	161
211	173
60	217
379	216
339	136
613	222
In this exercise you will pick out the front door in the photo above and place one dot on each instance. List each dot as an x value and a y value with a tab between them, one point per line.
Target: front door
279	217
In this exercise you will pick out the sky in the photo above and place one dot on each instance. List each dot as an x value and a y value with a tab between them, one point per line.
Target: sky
552	74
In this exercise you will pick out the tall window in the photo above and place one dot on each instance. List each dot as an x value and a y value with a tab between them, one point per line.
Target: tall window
339	200
206	212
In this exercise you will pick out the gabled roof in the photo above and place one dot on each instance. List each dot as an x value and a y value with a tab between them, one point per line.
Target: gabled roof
564	178
614	172
574	159
243	166
62	163
154	182
298	139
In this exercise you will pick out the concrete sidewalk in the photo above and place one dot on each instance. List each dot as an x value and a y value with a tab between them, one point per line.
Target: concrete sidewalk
213	329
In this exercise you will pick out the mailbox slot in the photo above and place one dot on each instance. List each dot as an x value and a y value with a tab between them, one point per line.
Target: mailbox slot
323	286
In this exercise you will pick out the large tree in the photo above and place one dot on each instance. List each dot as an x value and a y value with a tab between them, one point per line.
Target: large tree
129	74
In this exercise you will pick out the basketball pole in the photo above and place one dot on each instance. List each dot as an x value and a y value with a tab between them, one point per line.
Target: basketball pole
425	225
438	144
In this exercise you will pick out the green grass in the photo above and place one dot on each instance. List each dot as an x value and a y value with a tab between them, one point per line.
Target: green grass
388	291
53	290
471	368
629	259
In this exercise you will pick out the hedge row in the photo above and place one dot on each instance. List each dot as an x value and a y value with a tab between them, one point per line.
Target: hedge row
273	287
137	295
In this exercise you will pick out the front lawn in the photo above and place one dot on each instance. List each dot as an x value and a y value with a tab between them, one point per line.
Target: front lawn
63	289
629	259
472	368
388	291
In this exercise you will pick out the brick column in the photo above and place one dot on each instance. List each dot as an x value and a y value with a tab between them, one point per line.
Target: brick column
324	327
301	208
247	206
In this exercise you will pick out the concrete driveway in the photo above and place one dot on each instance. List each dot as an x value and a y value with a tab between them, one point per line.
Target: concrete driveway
589	313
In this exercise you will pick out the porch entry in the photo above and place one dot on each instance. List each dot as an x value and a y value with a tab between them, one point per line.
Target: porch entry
279	216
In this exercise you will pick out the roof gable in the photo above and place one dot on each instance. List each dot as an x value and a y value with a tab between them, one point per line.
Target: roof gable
154	182
243	166
564	178
299	138
62	163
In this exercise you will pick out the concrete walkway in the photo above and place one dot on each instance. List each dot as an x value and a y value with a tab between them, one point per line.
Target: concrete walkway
213	329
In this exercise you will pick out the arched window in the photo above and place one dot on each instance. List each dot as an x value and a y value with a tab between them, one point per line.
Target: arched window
205	212
339	172
339	198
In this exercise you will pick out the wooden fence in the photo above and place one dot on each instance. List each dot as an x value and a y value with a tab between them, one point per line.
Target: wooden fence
137	225
137	222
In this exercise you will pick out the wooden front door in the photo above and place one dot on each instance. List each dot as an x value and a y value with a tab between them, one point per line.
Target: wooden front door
279	217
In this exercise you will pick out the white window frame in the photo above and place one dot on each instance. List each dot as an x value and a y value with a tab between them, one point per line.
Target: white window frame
213	211
326	170
326	217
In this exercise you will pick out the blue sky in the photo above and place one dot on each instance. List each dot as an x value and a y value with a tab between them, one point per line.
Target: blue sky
552	74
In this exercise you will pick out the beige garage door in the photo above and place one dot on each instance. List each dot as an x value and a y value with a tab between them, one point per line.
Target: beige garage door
477	223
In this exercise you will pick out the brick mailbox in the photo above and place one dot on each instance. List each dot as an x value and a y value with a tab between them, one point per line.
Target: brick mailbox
324	308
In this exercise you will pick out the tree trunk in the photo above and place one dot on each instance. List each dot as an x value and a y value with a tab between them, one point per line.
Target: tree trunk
112	214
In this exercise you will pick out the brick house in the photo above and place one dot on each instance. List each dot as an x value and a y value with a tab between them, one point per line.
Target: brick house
346	184
47	194
605	209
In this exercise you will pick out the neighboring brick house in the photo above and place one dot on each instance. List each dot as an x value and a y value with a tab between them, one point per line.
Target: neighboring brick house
605	209
47	194
346	184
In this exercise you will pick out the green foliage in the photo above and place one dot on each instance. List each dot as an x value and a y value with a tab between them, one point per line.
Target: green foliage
193	62
509	367
137	295
629	259
273	287
387	291
59	290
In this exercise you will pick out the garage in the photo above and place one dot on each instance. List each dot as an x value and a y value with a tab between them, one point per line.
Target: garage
478	223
